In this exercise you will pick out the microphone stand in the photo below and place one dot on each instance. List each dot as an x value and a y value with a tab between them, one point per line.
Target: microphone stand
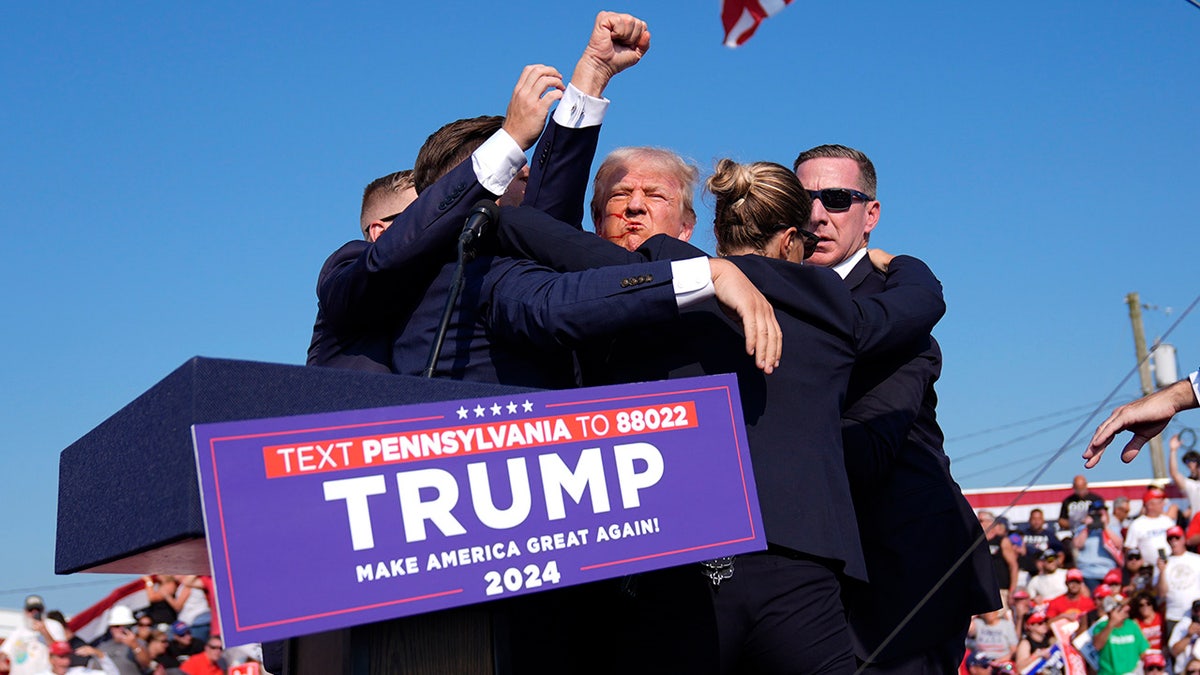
465	254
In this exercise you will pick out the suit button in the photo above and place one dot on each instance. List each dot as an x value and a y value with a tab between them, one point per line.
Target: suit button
624	283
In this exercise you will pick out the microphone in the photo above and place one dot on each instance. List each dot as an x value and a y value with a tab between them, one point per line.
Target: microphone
484	213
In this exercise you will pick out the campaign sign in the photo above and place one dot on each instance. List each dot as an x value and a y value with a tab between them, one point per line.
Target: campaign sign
325	521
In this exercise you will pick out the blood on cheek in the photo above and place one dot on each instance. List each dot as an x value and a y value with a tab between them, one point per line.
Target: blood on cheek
621	217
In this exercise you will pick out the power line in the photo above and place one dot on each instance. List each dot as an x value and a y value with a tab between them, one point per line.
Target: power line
1023	437
1018	439
1000	467
1002	427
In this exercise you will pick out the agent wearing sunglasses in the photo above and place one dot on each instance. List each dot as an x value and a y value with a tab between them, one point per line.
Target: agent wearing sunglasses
893	451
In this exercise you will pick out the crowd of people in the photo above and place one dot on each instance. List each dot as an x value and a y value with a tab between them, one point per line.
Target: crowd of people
170	633
1123	588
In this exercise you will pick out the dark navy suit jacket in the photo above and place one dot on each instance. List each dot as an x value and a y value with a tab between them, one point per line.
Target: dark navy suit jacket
793	415
369	293
913	518
365	289
353	345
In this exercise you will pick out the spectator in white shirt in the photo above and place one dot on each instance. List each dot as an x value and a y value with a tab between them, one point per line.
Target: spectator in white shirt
1148	532
1051	580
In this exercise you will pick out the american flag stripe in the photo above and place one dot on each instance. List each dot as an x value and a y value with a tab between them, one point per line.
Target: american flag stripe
741	17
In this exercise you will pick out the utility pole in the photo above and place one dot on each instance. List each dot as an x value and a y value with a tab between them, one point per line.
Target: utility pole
1157	460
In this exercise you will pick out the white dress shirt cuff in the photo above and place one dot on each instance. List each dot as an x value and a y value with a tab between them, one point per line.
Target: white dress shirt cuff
577	110
497	162
692	280
1195	380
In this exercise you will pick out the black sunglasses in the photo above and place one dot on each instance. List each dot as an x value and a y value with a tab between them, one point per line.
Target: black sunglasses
838	199
810	242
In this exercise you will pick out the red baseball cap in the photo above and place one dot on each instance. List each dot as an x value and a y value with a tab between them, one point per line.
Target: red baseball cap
1174	531
1036	617
1154	659
1074	575
1113	577
1153	493
1102	591
61	649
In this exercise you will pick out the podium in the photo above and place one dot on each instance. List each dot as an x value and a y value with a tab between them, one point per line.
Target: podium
129	501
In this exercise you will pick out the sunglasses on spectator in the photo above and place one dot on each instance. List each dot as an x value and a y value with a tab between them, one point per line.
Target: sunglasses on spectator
838	199
212	646
1192	671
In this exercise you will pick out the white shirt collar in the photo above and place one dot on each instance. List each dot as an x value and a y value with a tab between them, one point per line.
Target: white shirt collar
843	268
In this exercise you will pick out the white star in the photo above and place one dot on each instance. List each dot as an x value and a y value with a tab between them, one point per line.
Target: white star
512	408
495	409
479	411
462	413
527	406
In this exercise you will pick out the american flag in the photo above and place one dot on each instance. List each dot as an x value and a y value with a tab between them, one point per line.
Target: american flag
741	17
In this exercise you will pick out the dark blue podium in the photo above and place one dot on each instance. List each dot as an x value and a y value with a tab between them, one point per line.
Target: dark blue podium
129	500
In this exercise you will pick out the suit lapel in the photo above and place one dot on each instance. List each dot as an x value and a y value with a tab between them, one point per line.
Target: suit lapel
860	273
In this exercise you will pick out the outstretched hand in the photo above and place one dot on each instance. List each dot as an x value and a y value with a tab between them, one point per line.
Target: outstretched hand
1145	417
537	89
740	299
618	41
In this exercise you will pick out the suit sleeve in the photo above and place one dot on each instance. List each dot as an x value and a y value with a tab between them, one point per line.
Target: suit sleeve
531	234
398	266
876	425
558	175
528	303
902	315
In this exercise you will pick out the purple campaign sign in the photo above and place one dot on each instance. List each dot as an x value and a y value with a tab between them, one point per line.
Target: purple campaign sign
325	521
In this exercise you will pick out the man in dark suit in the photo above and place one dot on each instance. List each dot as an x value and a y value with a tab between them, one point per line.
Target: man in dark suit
914	521
362	346
359	284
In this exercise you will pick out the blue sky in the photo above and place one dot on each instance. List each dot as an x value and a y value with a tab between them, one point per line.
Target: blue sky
172	175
